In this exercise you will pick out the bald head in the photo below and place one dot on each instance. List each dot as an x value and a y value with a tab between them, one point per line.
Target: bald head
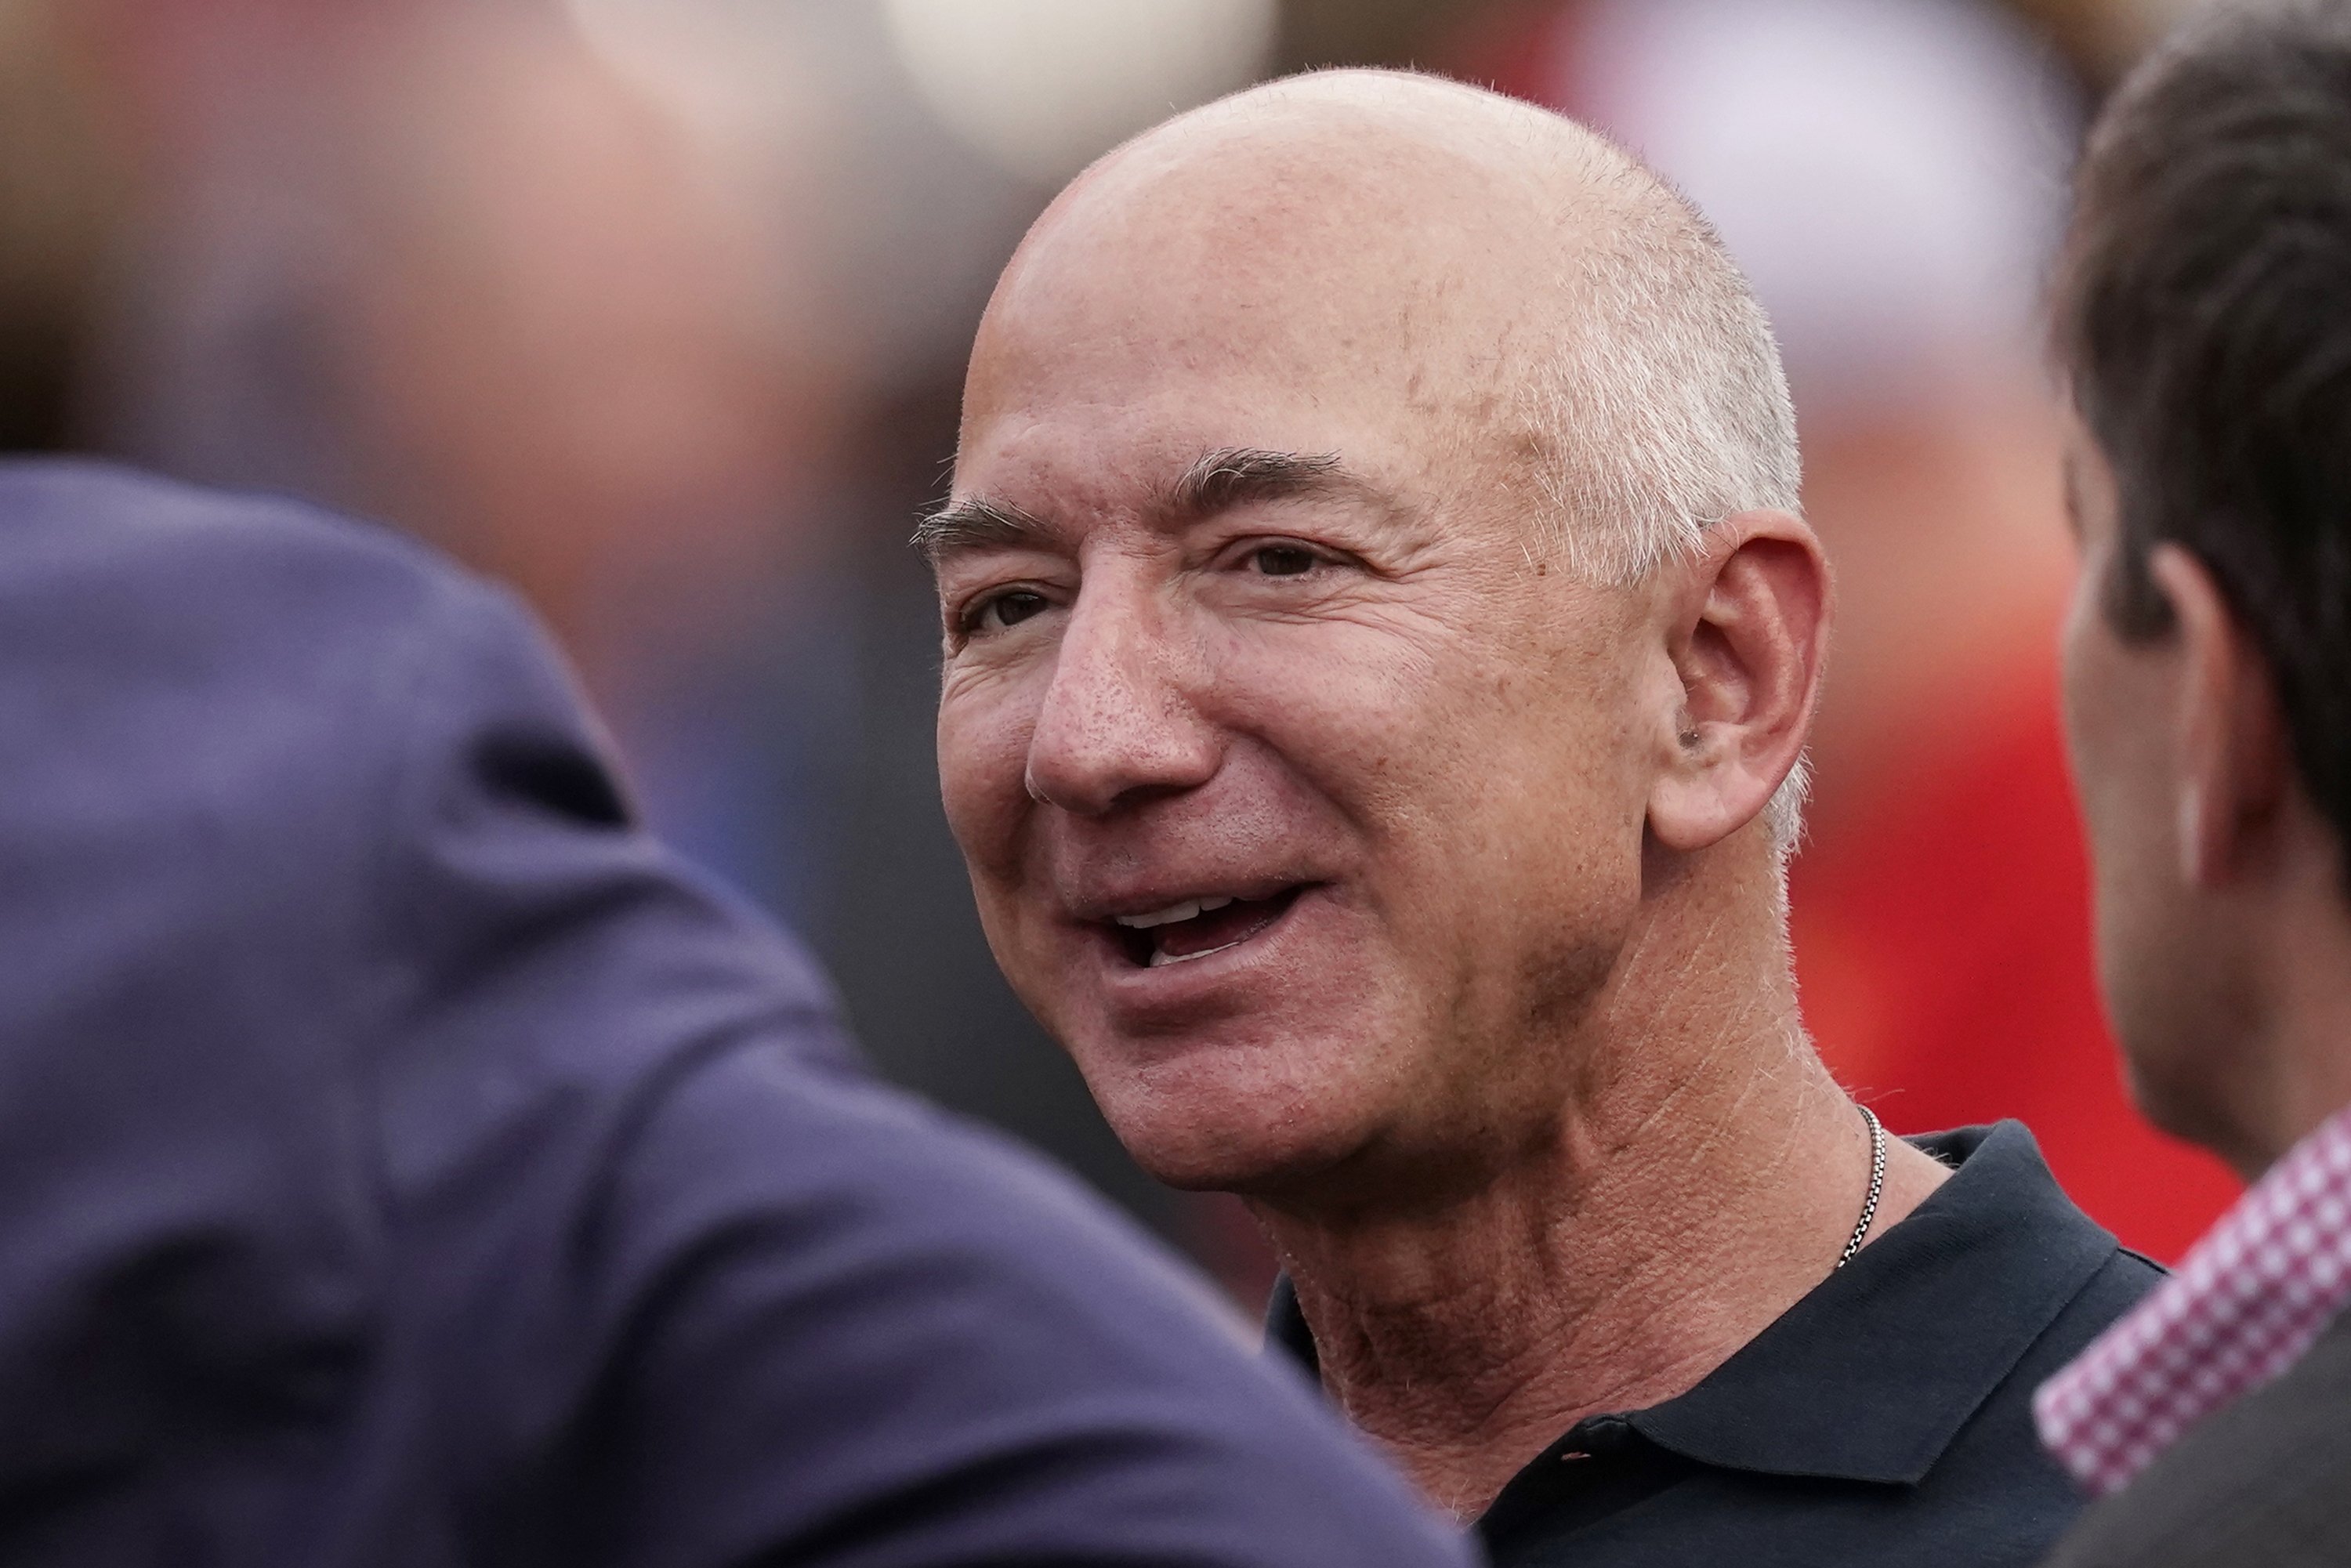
1541	308
1306	797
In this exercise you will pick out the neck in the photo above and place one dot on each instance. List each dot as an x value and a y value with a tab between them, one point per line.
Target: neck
2299	1072
1684	1194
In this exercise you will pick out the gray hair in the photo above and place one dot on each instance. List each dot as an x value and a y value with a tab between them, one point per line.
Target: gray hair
1665	409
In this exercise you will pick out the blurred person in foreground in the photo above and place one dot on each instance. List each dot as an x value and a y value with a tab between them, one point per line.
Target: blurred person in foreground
1889	174
1379	642
2203	314
403	1160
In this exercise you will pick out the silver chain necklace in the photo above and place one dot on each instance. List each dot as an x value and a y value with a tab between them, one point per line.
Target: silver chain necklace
1876	1185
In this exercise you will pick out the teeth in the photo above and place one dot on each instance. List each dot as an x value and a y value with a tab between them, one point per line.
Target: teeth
1209	904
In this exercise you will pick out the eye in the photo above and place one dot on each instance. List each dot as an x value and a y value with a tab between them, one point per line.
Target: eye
1001	611
1283	561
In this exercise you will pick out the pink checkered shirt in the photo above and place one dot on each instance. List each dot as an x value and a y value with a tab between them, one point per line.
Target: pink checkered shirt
2247	1301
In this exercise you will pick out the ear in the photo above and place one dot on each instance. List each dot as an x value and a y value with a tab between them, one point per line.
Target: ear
2232	762
1747	634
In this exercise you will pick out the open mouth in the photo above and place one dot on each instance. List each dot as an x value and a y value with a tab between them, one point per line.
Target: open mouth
1197	927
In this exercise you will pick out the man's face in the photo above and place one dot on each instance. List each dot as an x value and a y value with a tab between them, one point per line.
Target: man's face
1299	791
2160	958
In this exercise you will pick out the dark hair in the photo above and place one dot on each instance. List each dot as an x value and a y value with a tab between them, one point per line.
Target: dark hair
2202	309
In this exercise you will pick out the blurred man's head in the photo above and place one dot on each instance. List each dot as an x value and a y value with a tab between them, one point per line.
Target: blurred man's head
2203	312
1371	589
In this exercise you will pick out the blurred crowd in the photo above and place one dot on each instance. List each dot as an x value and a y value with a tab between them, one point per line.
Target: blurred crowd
657	309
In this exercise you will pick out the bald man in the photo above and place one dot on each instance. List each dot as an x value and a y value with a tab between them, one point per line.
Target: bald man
1380	641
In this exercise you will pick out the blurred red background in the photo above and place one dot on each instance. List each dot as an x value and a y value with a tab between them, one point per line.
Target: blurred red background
657	307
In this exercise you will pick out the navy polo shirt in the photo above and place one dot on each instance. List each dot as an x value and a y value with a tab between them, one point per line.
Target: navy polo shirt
1883	1418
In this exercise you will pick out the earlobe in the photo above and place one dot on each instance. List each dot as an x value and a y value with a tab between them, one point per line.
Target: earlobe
1746	639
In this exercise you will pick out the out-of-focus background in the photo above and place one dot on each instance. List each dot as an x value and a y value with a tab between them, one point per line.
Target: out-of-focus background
657	308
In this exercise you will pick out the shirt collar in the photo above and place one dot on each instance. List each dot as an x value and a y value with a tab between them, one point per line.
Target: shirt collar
1871	1376
2248	1301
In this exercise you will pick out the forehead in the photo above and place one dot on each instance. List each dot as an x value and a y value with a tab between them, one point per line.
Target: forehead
1156	457
1273	298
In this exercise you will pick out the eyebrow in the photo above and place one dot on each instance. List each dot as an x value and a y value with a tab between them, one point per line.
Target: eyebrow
1215	482
975	524
1235	476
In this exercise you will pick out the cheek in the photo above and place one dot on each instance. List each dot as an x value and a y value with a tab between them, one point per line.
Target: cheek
2153	971
1490	788
2077	654
2097	718
1330	695
2114	741
983	746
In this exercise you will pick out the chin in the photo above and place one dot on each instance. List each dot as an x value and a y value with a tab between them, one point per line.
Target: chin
1208	1132
2191	1097
2188	1025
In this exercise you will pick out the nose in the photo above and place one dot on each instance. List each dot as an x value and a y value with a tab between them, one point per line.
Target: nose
1119	722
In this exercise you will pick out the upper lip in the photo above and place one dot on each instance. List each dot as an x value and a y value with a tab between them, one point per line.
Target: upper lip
1182	910
1159	902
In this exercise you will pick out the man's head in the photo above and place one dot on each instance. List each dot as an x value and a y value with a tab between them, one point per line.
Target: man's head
1373	526
2203	314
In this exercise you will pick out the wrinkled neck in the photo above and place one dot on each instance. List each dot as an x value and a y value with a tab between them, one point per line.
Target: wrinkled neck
1700	1173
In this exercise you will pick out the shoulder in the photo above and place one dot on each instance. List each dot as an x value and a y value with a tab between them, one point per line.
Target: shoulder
2014	1281
861	1325
240	667
2013	1235
236	564
2119	1283
2267	1479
